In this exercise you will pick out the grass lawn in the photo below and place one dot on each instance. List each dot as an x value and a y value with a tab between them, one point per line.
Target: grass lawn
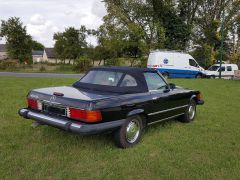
208	148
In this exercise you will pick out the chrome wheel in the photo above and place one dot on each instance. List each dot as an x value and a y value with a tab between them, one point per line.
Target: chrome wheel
191	111
132	131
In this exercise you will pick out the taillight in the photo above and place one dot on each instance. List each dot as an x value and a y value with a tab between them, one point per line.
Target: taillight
34	104
84	115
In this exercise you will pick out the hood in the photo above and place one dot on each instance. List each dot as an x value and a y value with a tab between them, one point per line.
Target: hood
207	72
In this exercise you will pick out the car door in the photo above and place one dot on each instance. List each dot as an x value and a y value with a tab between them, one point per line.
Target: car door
193	67
165	102
223	71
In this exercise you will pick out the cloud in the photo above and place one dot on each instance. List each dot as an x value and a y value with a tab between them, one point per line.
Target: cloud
37	19
98	9
41	29
44	18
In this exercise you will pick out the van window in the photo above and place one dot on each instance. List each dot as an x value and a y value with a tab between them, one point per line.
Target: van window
154	81
193	63
222	69
229	68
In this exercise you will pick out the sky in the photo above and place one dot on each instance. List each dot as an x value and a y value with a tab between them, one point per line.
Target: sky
44	17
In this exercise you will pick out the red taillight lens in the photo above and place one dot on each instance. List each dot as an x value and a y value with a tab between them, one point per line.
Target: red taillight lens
84	115
34	104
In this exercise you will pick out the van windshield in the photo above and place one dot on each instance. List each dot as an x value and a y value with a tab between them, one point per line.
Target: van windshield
213	68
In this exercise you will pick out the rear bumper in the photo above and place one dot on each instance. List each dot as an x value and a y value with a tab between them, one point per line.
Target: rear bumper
68	125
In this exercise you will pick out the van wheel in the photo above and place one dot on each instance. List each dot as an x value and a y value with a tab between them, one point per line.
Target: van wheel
129	133
212	77
199	76
165	75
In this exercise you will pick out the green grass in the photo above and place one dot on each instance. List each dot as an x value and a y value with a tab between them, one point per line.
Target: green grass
208	148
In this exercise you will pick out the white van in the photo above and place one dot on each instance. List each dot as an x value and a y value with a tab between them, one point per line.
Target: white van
175	64
227	71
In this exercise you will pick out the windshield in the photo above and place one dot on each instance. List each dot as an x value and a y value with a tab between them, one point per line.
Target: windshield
213	68
108	78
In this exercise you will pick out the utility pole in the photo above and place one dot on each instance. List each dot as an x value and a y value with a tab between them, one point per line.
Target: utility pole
222	40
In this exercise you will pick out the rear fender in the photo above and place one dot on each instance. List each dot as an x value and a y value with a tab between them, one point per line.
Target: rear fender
141	113
135	112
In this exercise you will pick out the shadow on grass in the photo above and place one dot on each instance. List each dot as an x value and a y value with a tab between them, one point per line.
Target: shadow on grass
53	136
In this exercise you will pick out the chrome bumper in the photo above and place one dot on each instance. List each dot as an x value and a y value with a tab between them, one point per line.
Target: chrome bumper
68	125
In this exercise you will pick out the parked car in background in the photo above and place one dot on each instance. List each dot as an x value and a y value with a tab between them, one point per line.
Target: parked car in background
175	64
227	71
123	100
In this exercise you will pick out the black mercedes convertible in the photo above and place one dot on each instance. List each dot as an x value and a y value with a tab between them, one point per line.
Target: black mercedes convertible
121	100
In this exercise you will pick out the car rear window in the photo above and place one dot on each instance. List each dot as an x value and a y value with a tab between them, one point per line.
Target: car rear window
128	81
108	78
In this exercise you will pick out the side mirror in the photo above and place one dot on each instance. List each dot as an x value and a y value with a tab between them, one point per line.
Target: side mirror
172	86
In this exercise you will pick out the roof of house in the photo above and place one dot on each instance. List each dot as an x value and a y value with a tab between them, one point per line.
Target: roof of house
50	52
3	48
37	53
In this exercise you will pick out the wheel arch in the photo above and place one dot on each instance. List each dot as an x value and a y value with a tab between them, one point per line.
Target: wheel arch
139	112
194	97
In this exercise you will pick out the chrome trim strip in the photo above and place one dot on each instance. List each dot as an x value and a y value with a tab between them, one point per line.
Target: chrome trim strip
166	110
151	123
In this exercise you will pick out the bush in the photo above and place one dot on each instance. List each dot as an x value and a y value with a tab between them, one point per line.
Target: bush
8	65
117	62
82	64
142	62
42	68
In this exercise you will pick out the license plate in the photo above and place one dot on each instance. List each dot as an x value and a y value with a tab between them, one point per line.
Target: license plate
54	109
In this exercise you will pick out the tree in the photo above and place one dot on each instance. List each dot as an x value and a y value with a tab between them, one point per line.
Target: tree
208	26
70	43
37	46
18	42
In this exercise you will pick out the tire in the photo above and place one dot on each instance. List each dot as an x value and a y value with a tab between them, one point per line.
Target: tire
165	75
129	134
190	112
198	76
212	77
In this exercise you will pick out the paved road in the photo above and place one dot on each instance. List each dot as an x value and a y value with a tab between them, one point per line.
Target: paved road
49	75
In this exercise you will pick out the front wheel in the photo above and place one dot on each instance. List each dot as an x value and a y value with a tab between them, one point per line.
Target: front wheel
190	112
129	133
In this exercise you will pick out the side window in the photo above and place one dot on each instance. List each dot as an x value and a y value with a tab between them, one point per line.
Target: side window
222	69
193	63
229	68
128	81
154	81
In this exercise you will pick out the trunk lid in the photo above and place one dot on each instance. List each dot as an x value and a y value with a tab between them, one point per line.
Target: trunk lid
68	96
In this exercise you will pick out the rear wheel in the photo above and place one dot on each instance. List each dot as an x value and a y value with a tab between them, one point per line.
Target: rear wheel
129	133
199	76
190	112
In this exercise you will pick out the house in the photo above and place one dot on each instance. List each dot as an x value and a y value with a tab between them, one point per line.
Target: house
3	52
49	55
37	56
